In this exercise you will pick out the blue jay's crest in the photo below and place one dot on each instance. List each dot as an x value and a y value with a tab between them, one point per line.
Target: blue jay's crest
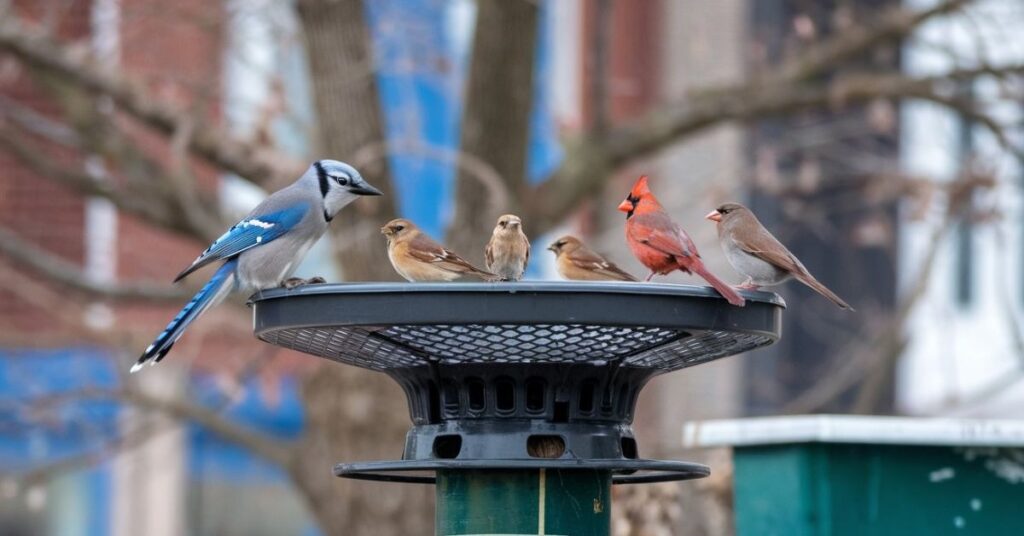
246	234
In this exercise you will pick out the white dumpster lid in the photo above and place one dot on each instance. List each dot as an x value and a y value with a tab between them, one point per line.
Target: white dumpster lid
854	429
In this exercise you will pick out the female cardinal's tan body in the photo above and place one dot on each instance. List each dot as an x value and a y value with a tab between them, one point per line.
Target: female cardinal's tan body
755	253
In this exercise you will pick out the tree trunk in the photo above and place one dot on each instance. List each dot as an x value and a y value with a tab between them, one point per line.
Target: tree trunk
496	118
350	119
353	414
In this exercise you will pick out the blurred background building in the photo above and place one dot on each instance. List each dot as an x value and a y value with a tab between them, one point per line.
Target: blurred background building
863	189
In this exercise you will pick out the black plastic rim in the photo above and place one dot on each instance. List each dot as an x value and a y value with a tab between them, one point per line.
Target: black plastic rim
650	470
531	302
390	326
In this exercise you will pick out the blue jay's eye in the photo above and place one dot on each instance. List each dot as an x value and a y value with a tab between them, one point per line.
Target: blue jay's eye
342	180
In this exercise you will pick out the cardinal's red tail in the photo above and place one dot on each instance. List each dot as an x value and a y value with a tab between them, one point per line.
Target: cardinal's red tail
722	287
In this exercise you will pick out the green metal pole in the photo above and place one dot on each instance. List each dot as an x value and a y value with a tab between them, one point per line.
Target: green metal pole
549	502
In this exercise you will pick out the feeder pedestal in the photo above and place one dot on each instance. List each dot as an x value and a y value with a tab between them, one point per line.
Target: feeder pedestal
541	501
521	394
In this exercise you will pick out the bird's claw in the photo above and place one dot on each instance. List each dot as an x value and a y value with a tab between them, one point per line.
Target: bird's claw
293	282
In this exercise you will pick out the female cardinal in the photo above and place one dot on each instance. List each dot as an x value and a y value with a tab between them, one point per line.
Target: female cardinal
661	245
755	253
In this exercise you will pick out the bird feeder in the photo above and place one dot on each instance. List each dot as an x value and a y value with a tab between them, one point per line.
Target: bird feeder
521	394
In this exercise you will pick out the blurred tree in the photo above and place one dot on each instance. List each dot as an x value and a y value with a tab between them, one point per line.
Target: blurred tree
351	414
496	117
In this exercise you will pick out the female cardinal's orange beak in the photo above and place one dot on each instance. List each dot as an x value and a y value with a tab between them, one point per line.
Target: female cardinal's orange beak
714	215
625	206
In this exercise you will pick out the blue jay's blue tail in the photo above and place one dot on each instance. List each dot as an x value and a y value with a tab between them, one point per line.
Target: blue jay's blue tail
211	293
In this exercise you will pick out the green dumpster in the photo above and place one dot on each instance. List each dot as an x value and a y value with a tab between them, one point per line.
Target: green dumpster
837	475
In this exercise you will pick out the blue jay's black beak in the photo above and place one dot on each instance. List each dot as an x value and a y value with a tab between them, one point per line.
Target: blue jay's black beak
364	188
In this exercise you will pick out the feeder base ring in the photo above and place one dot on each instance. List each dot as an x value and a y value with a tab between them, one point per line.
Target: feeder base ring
625	470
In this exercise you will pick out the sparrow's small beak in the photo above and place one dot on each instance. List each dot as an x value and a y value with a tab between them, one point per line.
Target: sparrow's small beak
714	215
552	248
383	230
625	206
365	189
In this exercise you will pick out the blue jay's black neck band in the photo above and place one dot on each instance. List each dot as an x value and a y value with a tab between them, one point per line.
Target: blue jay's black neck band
321	175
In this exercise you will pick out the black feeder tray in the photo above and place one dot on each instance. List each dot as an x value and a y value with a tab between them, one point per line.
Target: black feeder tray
528	375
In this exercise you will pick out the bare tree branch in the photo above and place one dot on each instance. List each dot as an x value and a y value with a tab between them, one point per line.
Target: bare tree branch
273	450
259	164
888	27
1002	382
41	474
66	315
66	273
260	444
469	165
144	203
886	335
38	124
590	158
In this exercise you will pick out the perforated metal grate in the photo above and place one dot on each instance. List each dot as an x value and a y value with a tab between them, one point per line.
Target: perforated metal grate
411	345
700	348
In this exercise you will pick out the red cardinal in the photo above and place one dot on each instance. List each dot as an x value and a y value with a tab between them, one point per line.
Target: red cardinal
660	244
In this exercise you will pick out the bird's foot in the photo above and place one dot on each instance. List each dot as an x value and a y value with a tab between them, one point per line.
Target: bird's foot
748	286
293	282
649	276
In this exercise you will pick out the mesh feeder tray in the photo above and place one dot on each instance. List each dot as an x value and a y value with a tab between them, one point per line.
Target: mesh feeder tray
518	376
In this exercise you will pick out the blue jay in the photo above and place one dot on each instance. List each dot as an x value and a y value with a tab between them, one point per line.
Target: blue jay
263	249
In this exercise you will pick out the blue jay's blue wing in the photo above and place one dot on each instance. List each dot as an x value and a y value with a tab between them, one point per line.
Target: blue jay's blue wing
248	233
211	293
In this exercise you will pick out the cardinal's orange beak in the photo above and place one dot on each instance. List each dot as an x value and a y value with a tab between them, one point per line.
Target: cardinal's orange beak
714	215
626	205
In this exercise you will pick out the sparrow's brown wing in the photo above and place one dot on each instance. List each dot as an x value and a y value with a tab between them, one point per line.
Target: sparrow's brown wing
489	253
586	259
425	249
526	244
